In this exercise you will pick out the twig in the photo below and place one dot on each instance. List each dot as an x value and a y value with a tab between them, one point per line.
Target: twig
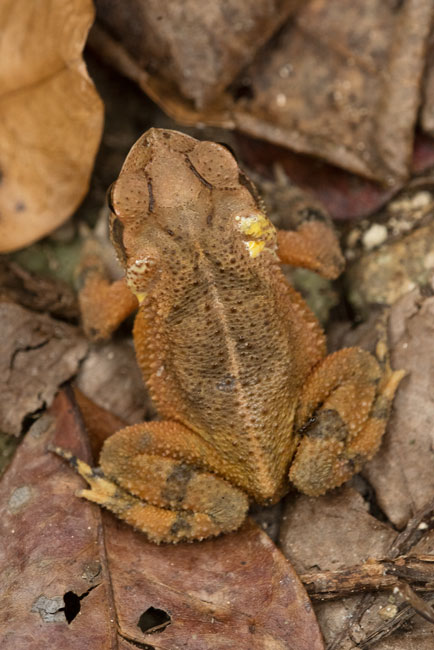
405	613
417	527
373	575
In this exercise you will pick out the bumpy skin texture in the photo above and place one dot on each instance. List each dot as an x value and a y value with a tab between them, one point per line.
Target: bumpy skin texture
233	358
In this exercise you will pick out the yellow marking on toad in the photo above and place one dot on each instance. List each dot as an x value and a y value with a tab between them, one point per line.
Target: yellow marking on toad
140	296
258	226
102	489
255	247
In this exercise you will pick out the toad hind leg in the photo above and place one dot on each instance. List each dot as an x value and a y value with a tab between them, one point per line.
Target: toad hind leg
161	490
342	414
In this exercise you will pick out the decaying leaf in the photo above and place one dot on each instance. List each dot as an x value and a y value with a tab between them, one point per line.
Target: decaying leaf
50	116
36	292
332	531
326	536
111	377
341	80
344	195
37	355
402	473
200	47
427	111
49	551
73	580
343	83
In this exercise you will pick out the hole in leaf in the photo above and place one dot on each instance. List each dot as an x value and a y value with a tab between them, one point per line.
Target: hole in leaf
72	605
153	620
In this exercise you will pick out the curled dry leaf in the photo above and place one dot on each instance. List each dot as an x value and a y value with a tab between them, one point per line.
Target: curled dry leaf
61	560
340	80
50	116
37	355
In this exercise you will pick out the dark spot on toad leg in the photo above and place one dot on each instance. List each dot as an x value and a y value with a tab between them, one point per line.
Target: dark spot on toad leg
176	484
381	409
20	206
326	424
181	525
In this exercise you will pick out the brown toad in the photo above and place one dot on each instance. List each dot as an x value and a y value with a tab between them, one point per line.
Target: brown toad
233	358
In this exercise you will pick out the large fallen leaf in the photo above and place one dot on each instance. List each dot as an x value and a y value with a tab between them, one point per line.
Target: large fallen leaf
199	46
344	83
76	579
50	116
341	80
37	355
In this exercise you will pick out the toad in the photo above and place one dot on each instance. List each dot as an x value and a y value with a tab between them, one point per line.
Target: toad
235	361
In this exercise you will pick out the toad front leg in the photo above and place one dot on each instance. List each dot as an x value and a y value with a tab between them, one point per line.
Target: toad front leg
156	477
342	414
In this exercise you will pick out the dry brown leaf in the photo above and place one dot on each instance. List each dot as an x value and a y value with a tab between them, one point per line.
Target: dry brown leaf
342	81
37	355
345	195
427	110
236	591
50	116
37	292
332	531
200	47
111	377
402	473
337	532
